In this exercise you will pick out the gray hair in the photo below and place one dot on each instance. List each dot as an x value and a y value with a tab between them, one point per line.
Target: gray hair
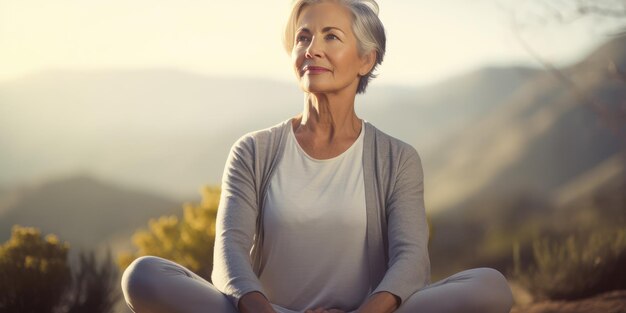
366	26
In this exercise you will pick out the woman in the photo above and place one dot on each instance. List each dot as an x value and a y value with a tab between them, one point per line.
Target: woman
322	212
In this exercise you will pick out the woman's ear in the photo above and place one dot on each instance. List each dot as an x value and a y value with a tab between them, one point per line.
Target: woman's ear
369	60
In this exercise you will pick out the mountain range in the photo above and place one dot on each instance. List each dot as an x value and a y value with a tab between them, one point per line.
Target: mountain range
83	210
122	125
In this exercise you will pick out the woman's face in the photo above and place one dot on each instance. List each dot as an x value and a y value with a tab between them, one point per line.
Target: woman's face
325	55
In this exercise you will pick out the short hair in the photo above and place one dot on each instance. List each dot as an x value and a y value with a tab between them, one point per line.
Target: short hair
366	26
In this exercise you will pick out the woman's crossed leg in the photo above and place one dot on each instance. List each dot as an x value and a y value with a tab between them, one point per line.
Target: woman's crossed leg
155	285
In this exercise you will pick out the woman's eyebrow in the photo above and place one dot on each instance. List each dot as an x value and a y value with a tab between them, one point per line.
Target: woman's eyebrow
329	28
303	30
324	30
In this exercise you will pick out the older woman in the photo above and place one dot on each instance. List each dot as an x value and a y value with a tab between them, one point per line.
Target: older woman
322	212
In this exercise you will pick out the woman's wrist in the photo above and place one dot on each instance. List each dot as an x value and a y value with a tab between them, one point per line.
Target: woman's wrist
380	302
255	302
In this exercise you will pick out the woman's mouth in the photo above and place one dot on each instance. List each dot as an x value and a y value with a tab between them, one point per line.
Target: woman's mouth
315	70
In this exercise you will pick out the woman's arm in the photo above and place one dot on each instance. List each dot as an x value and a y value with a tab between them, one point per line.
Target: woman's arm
408	267
236	225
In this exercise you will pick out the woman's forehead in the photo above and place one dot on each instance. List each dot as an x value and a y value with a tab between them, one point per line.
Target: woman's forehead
324	15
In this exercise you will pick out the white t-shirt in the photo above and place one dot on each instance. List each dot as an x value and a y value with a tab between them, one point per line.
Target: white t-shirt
314	248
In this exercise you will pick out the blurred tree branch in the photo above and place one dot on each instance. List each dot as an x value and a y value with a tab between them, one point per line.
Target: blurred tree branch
615	10
569	11
585	9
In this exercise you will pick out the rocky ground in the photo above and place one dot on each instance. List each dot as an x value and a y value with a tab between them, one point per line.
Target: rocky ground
610	302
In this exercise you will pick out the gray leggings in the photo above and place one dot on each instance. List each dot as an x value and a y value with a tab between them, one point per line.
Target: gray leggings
156	285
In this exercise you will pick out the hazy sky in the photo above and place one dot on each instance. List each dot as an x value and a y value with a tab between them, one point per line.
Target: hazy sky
427	40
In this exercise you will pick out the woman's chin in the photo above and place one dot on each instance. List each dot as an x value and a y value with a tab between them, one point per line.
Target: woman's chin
311	85
314	89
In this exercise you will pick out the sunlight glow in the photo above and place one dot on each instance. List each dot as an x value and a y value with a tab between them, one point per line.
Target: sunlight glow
427	40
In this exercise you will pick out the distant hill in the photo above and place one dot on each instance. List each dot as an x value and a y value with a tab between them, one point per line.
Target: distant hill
425	116
85	211
165	130
540	138
544	163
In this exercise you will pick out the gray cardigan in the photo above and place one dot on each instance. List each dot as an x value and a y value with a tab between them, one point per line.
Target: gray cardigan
397	231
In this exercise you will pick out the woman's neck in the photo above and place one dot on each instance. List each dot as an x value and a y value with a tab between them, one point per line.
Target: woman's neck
328	118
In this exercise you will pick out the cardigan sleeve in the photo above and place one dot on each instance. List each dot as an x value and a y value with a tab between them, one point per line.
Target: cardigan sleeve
236	225
408	267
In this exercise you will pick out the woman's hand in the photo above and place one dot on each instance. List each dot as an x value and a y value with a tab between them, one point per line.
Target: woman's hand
382	301
255	302
322	310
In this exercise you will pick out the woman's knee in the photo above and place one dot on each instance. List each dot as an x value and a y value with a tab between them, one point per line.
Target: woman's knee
494	290
137	279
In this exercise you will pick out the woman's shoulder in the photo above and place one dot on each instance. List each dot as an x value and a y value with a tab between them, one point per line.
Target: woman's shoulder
265	138
394	154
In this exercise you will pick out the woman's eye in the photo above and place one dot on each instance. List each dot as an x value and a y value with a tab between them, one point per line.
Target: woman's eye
301	38
332	36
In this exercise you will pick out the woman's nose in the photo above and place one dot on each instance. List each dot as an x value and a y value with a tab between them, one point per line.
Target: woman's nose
314	49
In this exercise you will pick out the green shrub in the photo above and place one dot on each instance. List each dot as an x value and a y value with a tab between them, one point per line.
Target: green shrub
35	277
95	285
34	272
187	241
575	268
